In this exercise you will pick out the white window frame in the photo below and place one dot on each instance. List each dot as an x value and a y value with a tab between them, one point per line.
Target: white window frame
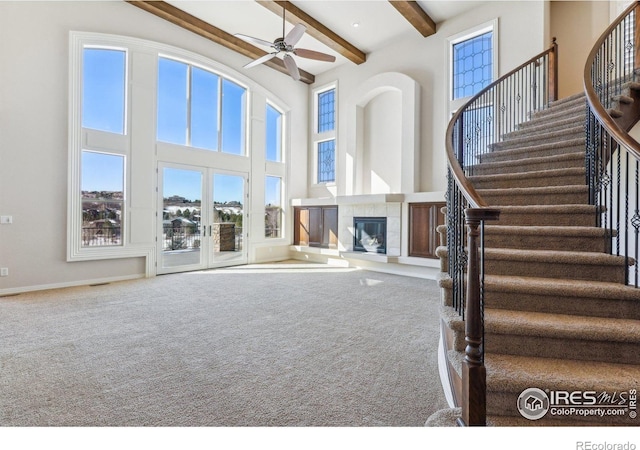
317	137
138	217
470	33
283	127
86	139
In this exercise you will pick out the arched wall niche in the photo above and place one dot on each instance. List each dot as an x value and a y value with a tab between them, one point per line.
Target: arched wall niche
383	138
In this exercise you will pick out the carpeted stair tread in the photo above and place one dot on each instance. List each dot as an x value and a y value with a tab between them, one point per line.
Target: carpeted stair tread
542	231
561	288
533	164
566	238
562	296
540	135
554	256
570	99
541	128
551	114
548	215
538	178
513	373
561	326
551	195
516	151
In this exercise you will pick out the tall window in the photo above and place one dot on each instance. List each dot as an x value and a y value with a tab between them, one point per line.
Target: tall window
198	108
325	135
273	207
274	134
102	174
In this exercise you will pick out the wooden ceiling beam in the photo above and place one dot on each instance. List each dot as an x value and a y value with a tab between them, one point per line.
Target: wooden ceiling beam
416	16
185	20
315	29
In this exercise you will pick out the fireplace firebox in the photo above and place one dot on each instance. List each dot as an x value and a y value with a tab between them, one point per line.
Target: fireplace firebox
370	234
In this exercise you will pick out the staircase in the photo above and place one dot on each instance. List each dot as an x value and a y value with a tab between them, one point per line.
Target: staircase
558	315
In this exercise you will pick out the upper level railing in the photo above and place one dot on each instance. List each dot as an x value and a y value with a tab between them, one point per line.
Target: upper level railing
493	112
613	155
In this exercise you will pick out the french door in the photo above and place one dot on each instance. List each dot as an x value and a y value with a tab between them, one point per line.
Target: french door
201	218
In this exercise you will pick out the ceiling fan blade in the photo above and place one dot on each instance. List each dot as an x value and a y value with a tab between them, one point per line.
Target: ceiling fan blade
312	54
260	60
292	67
254	40
294	35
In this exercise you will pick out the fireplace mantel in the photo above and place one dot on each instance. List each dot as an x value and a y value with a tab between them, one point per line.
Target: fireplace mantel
369	199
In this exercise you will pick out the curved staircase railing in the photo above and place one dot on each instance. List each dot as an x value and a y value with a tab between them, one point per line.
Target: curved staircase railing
495	111
611	85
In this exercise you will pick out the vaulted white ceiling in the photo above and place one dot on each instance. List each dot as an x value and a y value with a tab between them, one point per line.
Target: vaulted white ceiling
378	22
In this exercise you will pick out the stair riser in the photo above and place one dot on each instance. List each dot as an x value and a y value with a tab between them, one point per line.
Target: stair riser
542	220
550	347
507	155
500	403
528	166
567	180
551	269
558	304
526	199
562	243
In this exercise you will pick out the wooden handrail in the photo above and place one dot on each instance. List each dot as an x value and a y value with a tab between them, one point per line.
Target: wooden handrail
467	189
616	132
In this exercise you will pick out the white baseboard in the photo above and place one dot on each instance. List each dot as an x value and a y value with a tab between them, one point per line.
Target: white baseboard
45	287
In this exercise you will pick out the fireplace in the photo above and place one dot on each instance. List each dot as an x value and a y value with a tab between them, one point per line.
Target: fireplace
370	234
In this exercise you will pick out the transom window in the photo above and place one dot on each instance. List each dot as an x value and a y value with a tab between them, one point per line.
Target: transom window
104	92
326	111
274	126
198	108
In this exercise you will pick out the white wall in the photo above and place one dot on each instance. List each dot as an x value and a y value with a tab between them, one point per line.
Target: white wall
382	134
576	25
522	34
34	78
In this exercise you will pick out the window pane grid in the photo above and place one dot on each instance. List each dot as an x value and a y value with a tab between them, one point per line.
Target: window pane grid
198	108
326	111
472	65
326	161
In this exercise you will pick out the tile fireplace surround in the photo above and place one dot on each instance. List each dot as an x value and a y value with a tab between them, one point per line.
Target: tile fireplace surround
387	205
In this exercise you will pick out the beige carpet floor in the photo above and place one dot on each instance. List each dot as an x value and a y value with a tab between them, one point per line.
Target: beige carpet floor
261	345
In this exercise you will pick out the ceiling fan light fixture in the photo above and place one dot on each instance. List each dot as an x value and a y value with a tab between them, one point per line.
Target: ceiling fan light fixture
286	44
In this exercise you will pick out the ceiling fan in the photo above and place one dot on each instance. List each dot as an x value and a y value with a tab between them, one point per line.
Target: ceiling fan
286	44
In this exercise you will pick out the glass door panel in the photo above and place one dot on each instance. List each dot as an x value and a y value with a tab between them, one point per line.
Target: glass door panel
180	240
228	231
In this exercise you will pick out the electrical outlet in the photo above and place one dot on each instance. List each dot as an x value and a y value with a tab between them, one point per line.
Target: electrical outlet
4	272
6	219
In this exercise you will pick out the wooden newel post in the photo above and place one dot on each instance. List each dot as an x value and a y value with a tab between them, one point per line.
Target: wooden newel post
474	379
553	72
